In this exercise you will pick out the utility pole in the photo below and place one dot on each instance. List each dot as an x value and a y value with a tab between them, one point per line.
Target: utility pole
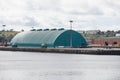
4	40
4	27
3	30
71	21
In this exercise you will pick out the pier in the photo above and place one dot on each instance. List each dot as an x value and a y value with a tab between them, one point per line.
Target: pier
90	51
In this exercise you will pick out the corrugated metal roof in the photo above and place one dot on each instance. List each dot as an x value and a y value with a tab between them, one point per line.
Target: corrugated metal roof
51	38
37	37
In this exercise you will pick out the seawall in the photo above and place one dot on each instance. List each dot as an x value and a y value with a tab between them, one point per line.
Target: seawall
95	51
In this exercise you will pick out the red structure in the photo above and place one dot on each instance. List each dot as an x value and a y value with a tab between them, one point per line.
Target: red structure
112	41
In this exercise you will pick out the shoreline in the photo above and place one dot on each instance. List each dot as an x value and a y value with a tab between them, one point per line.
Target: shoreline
90	51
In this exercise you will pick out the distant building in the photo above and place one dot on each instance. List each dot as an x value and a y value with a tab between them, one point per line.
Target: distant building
89	31
117	35
80	31
112	41
92	31
49	38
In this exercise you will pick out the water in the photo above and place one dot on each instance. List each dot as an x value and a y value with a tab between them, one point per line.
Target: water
49	66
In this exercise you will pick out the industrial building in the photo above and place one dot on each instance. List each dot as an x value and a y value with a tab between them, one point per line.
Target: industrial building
112	41
49	38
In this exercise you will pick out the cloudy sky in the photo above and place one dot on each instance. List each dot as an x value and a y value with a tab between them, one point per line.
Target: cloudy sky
86	14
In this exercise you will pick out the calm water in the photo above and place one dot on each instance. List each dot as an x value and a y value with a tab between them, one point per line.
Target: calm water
45	66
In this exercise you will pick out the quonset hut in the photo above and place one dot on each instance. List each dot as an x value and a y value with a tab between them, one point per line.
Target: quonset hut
49	38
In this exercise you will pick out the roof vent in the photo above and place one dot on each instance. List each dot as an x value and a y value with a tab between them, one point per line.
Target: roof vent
46	29
53	29
61	29
39	29
33	30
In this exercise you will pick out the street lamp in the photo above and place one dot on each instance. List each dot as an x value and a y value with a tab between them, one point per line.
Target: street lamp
32	27
71	21
5	40
4	27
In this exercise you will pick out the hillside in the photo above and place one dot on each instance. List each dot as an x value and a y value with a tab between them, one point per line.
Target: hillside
7	35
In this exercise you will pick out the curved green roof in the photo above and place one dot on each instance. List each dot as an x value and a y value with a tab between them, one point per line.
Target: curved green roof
50	38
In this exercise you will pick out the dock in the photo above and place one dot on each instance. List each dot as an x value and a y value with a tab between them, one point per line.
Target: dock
90	51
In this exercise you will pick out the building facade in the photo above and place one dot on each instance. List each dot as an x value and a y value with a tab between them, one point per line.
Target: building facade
112	41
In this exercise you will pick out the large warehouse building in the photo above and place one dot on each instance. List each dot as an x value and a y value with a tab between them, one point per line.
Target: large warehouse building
49	38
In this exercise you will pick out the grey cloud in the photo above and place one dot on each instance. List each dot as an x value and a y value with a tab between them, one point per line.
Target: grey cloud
46	5
53	14
90	11
29	21
114	5
24	21
95	11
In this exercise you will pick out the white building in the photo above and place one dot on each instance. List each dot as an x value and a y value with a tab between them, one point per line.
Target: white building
117	35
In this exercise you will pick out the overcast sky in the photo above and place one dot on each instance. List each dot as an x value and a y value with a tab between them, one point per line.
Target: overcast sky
86	14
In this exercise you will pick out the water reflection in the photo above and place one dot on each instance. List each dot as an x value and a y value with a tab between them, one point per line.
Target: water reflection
45	66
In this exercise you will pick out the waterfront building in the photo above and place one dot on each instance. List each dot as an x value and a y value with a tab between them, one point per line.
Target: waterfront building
112	41
49	38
